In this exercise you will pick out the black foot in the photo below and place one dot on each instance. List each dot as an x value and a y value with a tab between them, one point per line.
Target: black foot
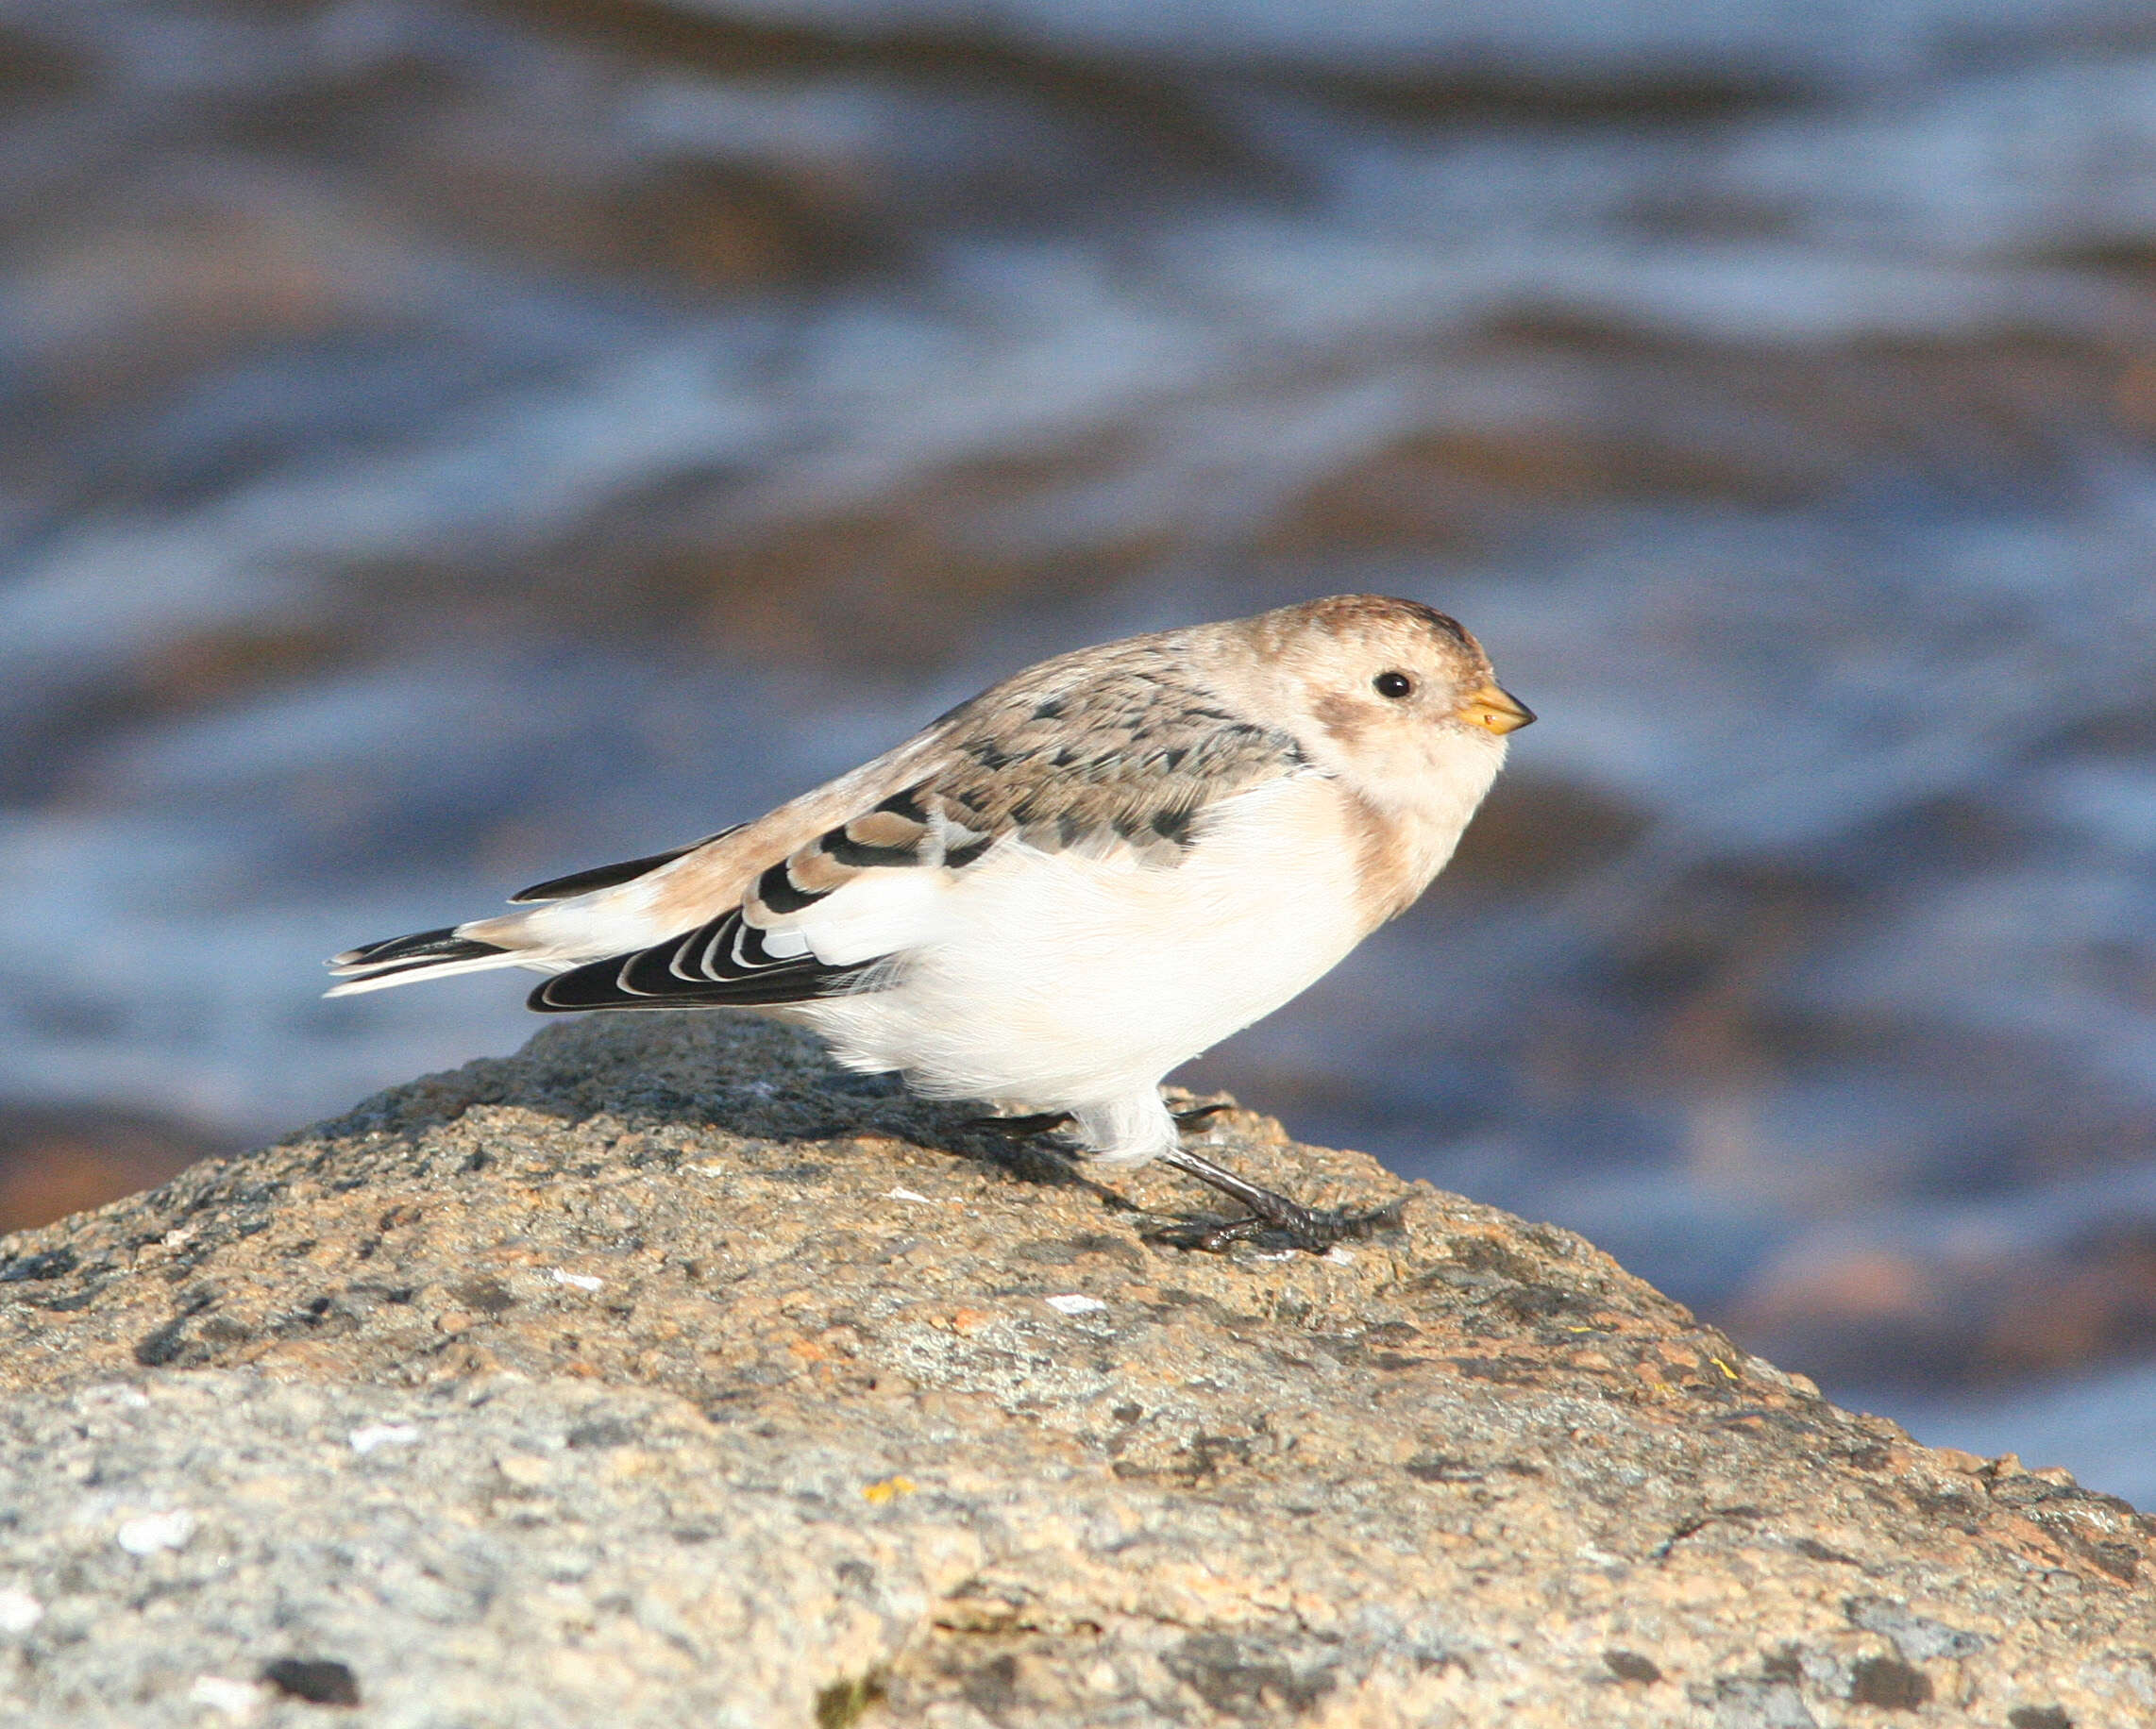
1274	1214
1046	1122
1040	1122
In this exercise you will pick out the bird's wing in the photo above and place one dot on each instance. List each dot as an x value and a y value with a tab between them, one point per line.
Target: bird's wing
1104	763
1120	767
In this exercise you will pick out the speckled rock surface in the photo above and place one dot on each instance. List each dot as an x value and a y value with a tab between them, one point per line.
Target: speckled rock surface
659	1374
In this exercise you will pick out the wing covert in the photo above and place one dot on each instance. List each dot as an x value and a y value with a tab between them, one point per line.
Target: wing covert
1130	759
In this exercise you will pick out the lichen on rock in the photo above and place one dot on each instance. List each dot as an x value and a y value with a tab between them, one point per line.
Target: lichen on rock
663	1373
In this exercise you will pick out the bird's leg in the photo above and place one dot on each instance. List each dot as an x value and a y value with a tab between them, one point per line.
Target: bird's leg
1266	1208
1305	1229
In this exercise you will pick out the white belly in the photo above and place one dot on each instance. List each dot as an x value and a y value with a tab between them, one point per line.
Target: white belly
1058	981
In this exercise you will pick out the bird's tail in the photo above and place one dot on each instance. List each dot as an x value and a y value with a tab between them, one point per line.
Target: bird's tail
555	926
427	954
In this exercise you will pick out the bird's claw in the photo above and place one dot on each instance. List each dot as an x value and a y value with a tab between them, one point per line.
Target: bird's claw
1293	1227
1271	1217
1044	1122
1038	1123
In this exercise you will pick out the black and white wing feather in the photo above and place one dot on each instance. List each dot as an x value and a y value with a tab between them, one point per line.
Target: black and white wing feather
725	962
1120	768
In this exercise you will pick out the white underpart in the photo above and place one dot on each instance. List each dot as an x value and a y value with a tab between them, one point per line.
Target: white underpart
883	912
1073	984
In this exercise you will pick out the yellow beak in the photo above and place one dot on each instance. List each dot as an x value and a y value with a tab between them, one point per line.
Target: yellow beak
1498	710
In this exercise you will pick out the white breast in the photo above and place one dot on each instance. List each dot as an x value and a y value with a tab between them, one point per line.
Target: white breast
1058	980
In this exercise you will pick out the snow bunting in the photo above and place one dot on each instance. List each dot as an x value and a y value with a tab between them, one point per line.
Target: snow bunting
1064	888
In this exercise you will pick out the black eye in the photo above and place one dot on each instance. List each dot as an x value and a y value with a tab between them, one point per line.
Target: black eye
1392	684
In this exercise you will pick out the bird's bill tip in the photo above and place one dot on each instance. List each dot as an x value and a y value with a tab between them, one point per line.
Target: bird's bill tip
1497	709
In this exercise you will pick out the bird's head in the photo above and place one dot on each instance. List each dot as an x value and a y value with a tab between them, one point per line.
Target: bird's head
1389	695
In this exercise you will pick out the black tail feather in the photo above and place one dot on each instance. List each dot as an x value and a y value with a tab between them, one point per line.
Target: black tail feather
421	948
608	876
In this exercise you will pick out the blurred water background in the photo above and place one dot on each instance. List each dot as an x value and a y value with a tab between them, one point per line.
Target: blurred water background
449	443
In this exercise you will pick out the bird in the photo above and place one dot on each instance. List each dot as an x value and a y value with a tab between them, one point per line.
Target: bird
1063	888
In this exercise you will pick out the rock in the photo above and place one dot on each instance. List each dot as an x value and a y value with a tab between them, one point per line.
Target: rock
661	1373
